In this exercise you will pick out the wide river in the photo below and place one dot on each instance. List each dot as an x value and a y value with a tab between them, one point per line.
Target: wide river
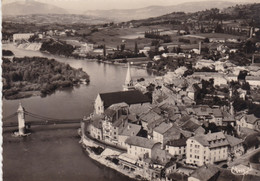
53	152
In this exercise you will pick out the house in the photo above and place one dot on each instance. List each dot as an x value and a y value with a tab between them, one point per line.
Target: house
141	148
95	127
159	132
129	130
168	131
204	149
205	173
131	98
176	147
192	91
217	117
149	117
114	122
204	63
249	121
218	78
203	113
253	81
192	127
21	36
157	57
235	146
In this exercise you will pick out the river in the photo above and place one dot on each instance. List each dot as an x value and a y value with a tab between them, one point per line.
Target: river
53	152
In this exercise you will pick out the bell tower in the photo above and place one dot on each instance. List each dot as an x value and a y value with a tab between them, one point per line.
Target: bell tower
128	81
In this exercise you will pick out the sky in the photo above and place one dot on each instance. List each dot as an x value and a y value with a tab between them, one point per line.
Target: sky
114	4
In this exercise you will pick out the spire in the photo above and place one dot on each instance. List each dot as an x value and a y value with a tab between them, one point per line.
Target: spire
128	81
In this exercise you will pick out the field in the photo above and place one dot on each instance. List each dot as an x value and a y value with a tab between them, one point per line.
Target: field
221	35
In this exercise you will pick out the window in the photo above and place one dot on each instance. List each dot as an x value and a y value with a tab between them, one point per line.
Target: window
190	150
191	156
190	145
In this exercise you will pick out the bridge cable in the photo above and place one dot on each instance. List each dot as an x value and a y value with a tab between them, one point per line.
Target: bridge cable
10	116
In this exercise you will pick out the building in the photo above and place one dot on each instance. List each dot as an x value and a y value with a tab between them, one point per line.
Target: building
166	132
192	91
131	98
158	132
205	173
22	36
249	121
141	148
235	146
219	79
129	130
95	127
114	122
176	147
204	149
129	95
128	81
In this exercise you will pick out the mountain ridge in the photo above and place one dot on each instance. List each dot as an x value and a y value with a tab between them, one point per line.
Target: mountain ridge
31	7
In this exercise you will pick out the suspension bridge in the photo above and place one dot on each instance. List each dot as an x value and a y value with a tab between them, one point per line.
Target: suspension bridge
35	120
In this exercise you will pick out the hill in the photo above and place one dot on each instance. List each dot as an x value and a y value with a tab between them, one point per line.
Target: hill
30	7
154	11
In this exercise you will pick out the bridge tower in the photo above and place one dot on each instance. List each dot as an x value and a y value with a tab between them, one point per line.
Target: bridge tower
21	120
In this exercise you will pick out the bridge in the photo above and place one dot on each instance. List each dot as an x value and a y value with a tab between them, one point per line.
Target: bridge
38	120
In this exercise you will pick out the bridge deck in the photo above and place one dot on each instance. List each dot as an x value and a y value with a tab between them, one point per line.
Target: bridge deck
47	122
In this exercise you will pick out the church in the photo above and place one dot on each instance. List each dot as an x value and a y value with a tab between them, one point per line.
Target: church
129	95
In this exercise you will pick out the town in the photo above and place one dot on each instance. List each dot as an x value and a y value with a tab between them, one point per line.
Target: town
197	119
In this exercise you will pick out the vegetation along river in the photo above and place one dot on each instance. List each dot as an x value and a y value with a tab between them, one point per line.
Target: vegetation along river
52	152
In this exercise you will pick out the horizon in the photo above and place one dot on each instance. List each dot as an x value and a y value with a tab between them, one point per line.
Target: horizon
117	4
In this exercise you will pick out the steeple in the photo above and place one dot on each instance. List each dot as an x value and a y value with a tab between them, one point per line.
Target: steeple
128	81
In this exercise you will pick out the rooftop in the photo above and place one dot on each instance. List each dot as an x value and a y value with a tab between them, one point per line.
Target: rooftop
129	97
190	126
251	118
233	141
140	142
131	130
205	173
177	143
212	140
162	128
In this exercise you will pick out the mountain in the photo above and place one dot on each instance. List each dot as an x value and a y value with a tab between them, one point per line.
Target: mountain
30	7
154	11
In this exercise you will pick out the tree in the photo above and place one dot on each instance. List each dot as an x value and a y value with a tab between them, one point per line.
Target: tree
122	47
249	47
246	86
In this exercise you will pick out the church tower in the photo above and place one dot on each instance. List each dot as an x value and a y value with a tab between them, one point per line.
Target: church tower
128	81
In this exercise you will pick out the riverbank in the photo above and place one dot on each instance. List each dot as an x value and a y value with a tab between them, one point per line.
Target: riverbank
34	76
106	157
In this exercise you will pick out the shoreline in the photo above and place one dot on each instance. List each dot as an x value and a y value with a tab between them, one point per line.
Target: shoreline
86	145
